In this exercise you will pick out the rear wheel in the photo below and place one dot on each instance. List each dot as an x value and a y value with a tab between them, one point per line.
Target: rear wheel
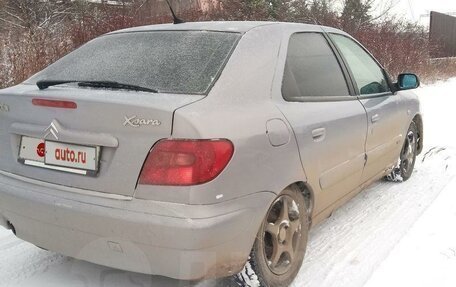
279	248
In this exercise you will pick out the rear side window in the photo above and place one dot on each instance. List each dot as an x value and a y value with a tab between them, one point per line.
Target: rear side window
168	61
311	69
368	74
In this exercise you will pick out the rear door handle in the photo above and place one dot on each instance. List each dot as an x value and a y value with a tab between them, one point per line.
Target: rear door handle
319	134
375	118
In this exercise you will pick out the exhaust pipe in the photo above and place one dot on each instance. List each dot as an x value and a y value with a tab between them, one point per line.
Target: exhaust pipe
7	224
11	227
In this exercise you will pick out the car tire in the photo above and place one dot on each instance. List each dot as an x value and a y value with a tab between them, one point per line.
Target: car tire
279	249
403	171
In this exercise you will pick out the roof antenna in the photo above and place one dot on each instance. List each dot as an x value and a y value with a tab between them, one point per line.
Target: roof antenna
176	20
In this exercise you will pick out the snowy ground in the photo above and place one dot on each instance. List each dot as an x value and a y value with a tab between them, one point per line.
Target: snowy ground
389	235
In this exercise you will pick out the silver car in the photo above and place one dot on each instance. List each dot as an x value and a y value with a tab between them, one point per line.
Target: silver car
201	150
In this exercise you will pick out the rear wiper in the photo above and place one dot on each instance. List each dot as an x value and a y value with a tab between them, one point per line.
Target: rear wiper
44	84
115	85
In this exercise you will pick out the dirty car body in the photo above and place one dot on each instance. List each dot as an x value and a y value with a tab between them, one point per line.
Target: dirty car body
78	171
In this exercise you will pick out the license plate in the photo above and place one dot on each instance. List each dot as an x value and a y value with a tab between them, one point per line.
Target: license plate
66	157
70	155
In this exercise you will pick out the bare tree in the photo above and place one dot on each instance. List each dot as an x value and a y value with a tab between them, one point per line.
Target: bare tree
31	15
359	13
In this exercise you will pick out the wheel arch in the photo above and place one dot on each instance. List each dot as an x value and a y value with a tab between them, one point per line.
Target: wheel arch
308	194
418	120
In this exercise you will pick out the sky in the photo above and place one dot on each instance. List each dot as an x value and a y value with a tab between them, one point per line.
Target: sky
416	10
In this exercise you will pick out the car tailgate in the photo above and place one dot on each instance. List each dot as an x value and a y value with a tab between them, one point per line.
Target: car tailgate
121	126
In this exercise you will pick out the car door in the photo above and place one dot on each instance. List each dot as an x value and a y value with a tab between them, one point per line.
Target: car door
385	137
329	123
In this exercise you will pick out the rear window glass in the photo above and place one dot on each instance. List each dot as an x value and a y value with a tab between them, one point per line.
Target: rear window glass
168	61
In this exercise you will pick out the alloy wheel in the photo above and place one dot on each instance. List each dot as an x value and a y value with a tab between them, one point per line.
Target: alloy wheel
282	233
408	152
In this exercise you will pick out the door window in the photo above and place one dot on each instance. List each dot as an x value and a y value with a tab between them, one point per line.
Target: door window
312	69
368	74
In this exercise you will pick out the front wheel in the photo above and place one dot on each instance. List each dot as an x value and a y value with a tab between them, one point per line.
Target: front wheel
279	248
407	157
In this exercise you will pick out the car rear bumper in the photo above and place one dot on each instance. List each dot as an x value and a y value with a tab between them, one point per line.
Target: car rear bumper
187	242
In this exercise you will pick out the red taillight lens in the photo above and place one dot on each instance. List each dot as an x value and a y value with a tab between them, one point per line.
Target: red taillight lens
54	104
185	162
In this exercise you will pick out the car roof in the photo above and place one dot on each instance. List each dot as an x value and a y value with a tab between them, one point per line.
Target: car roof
221	26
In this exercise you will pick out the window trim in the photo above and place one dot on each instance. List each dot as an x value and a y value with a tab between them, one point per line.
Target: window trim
345	72
352	77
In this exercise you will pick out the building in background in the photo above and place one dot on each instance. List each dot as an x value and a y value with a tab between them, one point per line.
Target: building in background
442	33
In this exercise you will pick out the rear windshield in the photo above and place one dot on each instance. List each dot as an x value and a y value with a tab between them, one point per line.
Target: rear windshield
168	61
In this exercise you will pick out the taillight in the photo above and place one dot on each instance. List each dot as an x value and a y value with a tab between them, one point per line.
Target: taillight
54	104
186	162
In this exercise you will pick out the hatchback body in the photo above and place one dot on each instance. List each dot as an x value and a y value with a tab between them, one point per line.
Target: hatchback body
167	149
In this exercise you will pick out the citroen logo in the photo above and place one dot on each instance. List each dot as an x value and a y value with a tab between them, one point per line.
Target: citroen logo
52	130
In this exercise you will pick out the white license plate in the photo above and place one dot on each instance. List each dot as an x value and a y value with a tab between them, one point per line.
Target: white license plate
70	155
59	156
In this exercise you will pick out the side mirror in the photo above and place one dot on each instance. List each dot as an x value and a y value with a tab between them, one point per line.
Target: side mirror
407	82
